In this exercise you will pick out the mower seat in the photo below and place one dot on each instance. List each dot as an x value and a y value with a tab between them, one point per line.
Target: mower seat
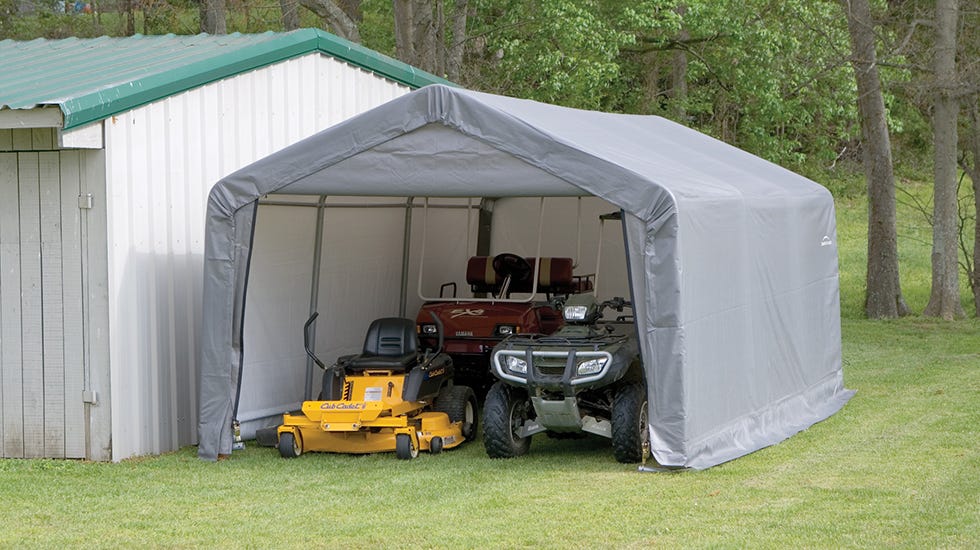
391	343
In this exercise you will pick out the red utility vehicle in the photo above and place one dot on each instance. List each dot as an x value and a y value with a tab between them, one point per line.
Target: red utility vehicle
474	326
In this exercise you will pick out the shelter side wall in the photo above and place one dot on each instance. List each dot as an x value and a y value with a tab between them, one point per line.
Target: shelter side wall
762	318
162	161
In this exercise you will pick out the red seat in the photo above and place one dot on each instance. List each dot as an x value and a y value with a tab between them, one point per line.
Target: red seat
554	277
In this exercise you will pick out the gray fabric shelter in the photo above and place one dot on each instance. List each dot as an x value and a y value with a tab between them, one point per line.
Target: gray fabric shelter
733	259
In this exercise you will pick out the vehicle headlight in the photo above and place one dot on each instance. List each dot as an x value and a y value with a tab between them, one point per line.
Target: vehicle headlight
515	364
506	330
575	313
428	329
592	366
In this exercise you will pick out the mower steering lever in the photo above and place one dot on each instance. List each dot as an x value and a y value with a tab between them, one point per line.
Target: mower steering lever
307	330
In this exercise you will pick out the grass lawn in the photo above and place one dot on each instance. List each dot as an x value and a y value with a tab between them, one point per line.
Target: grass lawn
899	466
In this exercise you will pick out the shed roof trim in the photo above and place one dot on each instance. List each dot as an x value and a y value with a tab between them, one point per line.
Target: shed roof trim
92	79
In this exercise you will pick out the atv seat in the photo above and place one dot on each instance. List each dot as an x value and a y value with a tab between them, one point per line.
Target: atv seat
554	277
391	343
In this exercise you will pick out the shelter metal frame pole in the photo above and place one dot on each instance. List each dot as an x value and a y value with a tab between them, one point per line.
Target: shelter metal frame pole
406	249
598	259
537	263
315	288
398	205
629	279
578	232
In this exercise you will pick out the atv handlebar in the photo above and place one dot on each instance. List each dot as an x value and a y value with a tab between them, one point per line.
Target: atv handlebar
616	303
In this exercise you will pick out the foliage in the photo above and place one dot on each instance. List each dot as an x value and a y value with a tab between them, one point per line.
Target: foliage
776	80
557	51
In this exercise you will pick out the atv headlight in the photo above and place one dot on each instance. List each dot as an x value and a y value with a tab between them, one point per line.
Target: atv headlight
592	366
506	330
515	364
428	329
575	313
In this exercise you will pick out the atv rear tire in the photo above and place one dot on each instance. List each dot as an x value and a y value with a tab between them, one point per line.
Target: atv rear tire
289	445
629	423
504	412
405	447
459	403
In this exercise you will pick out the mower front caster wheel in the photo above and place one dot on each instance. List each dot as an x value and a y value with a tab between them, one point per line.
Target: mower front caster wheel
289	445
405	447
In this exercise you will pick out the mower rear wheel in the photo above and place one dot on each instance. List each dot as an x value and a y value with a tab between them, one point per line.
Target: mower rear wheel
504	413
459	403
629	423
289	445
405	447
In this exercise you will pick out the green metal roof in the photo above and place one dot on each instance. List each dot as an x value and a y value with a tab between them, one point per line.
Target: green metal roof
93	78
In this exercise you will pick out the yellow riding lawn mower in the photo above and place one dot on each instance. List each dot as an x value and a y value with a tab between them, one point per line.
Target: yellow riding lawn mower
390	397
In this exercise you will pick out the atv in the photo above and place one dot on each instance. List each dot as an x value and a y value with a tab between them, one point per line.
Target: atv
474	326
586	377
390	397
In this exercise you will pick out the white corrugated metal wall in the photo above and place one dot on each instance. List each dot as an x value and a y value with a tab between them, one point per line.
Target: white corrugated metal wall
162	160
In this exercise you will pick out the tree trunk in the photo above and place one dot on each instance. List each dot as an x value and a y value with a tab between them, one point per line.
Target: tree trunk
353	10
651	83
454	63
404	31
339	22
973	171
678	73
213	17
944	299
131	17
425	36
290	14
883	291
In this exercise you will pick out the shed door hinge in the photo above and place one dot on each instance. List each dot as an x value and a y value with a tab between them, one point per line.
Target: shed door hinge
85	201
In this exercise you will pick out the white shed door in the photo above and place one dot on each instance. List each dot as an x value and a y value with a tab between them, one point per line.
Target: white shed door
42	364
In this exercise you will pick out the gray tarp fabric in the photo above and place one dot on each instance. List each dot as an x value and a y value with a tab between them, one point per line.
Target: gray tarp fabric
733	259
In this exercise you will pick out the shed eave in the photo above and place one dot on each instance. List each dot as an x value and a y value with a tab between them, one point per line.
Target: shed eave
38	116
103	103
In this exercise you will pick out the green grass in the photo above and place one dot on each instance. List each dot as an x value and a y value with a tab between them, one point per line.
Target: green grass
899	466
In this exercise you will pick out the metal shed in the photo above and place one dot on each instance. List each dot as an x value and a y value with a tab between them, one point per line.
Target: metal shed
108	148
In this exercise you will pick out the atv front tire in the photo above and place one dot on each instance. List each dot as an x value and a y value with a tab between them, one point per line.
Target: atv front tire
629	423
459	403
504	413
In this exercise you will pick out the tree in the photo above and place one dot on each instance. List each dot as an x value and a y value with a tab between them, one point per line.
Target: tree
341	19
213	17
290	14
429	38
944	299
970	162
883	296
